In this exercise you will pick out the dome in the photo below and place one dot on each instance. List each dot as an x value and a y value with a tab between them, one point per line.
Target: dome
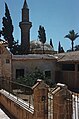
37	45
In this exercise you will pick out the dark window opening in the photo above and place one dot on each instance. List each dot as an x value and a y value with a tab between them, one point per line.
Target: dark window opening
19	73
68	67
48	74
7	61
78	67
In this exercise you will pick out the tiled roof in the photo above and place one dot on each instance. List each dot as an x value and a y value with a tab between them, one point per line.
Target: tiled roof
68	56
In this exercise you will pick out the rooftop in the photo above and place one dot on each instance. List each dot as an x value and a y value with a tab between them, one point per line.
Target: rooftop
68	56
33	56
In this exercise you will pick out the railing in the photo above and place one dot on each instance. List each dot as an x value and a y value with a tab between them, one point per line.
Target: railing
19	90
75	104
17	101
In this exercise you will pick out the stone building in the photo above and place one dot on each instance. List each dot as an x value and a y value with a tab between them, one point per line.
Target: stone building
21	65
13	66
62	67
5	60
68	69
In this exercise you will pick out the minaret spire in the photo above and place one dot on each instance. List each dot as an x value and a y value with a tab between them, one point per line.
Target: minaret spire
25	12
25	26
25	4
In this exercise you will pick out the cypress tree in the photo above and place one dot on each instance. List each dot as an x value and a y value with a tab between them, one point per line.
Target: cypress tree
7	29
51	43
42	35
0	33
59	48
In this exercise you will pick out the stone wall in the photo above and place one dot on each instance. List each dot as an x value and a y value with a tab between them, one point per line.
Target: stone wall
5	63
29	65
41	100
16	108
62	103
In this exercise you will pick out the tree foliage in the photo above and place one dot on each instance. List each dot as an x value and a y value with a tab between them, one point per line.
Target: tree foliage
51	43
31	78
7	29
0	33
76	48
60	48
42	35
72	36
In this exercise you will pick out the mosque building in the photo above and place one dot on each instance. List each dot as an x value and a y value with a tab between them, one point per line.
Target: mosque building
62	67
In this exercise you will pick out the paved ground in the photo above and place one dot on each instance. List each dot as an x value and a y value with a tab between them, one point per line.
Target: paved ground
3	115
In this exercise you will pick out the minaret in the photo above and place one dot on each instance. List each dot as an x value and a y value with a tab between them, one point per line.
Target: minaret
25	26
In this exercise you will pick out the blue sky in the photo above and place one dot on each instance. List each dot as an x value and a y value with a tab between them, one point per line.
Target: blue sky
57	16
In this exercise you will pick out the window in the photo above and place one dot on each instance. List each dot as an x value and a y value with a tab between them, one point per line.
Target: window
68	67
7	61
19	73
78	67
48	74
